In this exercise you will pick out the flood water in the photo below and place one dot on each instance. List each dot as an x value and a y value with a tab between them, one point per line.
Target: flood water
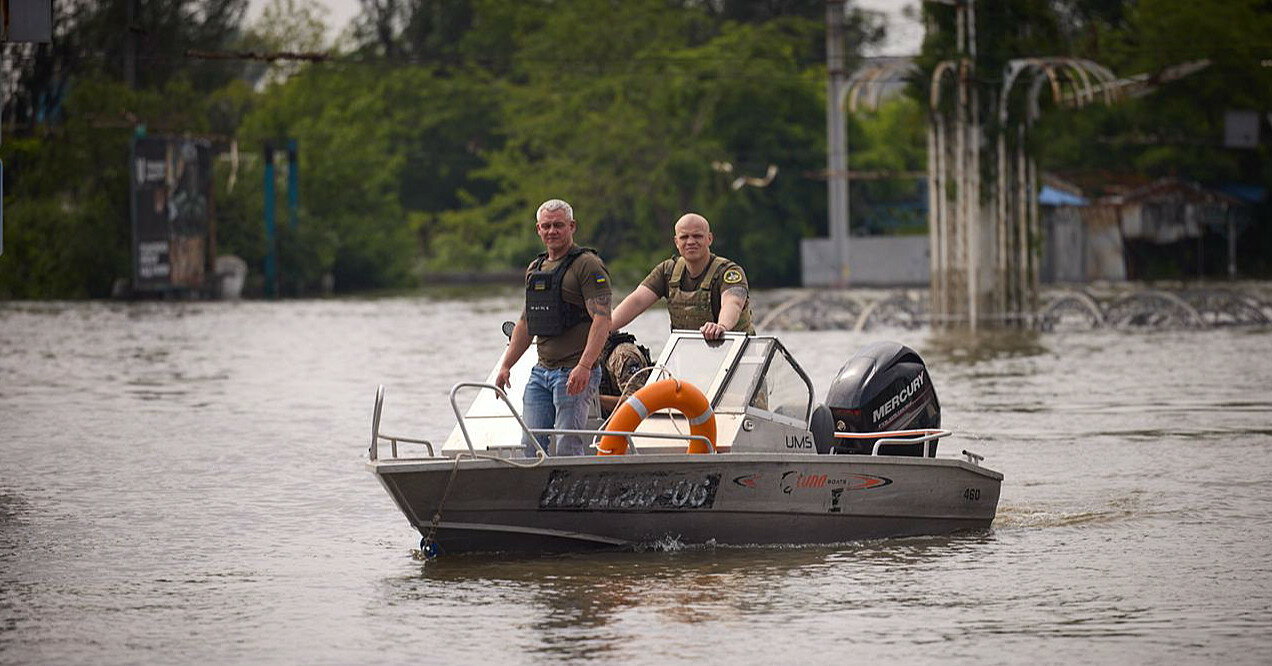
186	483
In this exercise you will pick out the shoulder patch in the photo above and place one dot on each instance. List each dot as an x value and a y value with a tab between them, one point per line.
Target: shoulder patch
599	278
732	276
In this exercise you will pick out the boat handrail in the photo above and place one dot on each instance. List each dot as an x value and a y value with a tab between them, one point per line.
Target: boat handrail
531	432
376	435
459	416
885	438
899	438
393	441
630	435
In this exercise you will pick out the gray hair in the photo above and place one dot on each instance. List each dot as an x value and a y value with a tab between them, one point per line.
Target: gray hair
551	205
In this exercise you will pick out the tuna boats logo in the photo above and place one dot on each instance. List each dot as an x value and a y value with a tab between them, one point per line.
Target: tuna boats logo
794	480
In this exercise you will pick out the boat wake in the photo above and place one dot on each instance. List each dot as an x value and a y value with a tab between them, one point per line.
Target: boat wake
1117	510
667	544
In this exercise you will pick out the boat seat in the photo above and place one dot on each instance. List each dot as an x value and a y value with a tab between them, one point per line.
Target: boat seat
822	425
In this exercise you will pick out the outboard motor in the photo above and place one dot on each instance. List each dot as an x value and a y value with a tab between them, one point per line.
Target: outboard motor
884	386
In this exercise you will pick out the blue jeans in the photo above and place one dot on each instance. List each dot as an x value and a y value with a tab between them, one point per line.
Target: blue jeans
547	404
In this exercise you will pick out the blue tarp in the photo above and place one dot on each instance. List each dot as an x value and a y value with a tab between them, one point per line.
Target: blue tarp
1252	194
1050	196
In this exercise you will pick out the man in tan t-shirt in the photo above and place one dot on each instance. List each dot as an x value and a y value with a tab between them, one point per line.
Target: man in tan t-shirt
568	314
704	292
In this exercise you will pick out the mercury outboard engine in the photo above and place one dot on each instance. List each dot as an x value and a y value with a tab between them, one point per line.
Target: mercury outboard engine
884	386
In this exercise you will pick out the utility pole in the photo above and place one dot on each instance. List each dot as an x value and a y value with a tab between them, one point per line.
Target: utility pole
836	140
271	229
28	21
130	44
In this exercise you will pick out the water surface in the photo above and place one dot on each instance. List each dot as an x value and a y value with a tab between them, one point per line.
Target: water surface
183	482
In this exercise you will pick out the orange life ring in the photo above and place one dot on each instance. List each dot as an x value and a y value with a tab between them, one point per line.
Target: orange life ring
663	394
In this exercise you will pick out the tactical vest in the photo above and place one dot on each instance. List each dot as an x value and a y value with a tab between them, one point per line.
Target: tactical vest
547	312
691	309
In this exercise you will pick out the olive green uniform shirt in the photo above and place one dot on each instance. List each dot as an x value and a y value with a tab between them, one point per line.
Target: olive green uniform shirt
586	278
729	275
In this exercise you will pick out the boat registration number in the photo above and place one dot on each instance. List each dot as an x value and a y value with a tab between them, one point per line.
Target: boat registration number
641	491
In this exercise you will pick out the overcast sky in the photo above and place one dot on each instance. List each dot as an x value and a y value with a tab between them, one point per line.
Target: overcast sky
904	35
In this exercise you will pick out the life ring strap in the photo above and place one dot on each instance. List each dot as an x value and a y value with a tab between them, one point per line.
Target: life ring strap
639	406
702	418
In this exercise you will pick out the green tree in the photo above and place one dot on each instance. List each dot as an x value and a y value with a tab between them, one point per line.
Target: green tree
1177	129
383	151
286	26
67	222
94	38
625	118
893	139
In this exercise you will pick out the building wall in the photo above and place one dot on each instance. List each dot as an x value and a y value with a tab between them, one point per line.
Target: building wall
873	261
1104	254
1081	244
1064	245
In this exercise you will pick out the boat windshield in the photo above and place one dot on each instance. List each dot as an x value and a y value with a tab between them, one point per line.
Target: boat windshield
737	393
698	361
766	378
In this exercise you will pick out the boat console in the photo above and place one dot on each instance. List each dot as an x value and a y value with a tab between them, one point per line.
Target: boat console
761	398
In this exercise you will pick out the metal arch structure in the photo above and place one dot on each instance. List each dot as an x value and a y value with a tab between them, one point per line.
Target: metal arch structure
819	310
1226	307
778	318
949	172
1062	309
867	87
1153	309
902	310
1072	82
985	237
955	232
871	83
954	173
1070	302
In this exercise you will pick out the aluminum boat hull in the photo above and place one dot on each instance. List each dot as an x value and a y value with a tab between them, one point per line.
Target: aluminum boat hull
594	502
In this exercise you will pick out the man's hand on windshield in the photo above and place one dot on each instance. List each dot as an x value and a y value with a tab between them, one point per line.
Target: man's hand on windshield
712	331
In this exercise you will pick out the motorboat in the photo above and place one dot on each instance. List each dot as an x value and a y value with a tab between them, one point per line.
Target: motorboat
775	467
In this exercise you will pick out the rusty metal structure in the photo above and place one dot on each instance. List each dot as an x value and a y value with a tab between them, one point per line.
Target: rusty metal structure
1072	82
1111	306
984	232
876	80
954	134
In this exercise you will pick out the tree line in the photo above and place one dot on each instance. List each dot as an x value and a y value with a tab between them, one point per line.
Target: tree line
430	129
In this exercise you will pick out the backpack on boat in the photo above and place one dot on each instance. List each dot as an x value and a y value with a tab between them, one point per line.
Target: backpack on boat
620	360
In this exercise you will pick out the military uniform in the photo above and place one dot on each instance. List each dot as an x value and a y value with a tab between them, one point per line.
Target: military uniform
695	300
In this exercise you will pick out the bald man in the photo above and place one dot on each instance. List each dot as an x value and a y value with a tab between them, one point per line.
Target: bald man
704	292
